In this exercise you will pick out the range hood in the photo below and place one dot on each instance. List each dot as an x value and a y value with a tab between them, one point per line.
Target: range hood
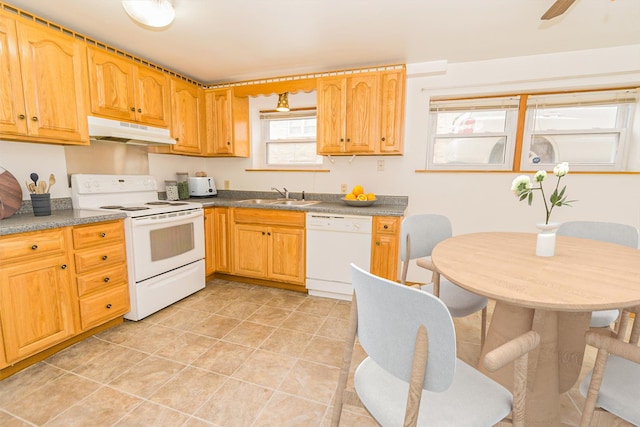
130	133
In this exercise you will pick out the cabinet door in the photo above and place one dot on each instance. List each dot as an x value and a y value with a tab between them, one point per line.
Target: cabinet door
186	104
219	119
361	114
250	250
54	78
331	115
391	111
152	97
12	109
111	85
222	242
209	240
44	287
385	244
286	254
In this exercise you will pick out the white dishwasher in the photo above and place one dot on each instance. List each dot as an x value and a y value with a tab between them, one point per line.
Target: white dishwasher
333	243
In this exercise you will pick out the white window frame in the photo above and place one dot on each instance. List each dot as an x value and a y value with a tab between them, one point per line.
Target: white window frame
267	116
626	100
507	104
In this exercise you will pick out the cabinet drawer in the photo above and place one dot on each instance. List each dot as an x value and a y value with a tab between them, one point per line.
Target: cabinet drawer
103	278
269	217
103	233
32	245
104	306
99	257
386	224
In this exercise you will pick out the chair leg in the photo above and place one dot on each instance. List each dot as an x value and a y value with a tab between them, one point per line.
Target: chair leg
346	363
483	326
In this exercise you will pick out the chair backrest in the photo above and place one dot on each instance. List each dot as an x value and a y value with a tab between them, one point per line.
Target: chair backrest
610	232
425	231
389	315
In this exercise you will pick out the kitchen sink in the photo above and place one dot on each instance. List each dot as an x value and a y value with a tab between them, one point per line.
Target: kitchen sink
285	202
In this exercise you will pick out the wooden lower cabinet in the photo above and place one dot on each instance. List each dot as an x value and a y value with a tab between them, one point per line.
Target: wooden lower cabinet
37	296
57	287
209	242
385	244
270	245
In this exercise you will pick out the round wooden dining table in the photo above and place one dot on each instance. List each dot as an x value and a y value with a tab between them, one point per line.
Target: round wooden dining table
553	296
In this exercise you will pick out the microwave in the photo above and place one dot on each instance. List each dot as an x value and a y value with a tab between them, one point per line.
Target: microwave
202	186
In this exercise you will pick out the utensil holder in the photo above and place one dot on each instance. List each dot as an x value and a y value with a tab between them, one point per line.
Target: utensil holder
41	204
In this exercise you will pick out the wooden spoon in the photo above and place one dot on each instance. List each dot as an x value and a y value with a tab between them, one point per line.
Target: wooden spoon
52	180
42	187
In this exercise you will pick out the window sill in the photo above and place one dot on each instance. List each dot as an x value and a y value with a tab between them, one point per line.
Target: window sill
287	170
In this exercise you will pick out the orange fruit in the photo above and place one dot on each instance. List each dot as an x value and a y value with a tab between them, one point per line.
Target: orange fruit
357	190
362	197
371	196
350	196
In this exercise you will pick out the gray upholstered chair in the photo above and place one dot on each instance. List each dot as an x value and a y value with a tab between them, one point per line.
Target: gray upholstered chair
614	383
418	236
411	375
621	234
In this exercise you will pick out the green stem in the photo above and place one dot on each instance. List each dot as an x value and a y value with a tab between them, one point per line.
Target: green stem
552	204
546	207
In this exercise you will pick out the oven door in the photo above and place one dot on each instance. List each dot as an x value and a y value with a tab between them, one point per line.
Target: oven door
161	243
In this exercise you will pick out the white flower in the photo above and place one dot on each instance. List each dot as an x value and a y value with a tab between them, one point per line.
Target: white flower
540	176
561	169
521	184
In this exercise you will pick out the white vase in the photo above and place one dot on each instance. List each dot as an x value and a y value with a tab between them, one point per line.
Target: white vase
546	242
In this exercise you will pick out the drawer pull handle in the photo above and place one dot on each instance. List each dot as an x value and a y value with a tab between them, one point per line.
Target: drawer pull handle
34	247
385	226
108	306
63	266
104	257
103	234
106	280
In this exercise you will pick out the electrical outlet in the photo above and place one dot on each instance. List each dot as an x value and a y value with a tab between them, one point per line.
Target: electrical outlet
227	184
343	188
380	165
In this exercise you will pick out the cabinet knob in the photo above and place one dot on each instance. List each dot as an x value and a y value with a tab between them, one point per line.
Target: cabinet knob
21	116
133	109
383	139
377	243
103	234
348	139
63	266
268	234
108	306
34	247
228	142
386	226
106	280
139	110
263	233
34	118
104	257
341	139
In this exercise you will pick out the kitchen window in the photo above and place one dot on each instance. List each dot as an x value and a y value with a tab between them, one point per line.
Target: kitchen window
290	138
475	134
590	130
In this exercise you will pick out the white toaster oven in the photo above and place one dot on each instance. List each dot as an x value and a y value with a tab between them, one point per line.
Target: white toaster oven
202	186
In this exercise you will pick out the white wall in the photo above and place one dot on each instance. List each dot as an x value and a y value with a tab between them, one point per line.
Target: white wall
473	201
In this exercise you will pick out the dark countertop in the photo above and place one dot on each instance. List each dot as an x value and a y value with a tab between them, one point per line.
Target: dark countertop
63	215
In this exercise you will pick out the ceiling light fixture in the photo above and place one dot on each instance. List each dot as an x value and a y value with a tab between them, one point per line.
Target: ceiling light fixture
150	13
283	102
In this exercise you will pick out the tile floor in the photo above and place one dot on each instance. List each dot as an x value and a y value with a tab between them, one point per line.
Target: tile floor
231	355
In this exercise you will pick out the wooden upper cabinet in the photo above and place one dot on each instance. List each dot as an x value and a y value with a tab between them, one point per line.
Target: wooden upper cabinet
43	84
361	113
227	123
187	104
392	90
124	90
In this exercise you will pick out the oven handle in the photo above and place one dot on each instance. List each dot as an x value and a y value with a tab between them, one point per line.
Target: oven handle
163	218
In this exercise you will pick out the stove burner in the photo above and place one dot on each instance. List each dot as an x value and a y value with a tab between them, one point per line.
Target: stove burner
111	207
160	202
134	208
178	203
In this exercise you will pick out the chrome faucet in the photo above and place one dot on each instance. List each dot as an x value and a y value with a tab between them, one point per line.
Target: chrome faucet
285	194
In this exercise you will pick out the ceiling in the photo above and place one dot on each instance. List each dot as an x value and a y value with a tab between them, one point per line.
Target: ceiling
214	41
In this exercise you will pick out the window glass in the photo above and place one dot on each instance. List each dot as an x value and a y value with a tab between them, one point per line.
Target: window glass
290	138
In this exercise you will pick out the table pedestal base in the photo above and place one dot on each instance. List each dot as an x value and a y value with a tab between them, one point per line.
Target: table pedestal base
554	366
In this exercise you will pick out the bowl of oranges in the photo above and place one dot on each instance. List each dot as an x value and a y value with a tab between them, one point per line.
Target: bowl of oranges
358	197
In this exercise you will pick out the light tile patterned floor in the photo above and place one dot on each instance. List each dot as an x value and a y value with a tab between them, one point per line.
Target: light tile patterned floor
231	355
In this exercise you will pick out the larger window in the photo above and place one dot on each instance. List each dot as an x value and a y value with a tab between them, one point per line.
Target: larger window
590	130
290	138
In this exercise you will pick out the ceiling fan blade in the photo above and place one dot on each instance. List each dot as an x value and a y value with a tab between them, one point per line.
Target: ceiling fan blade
557	9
